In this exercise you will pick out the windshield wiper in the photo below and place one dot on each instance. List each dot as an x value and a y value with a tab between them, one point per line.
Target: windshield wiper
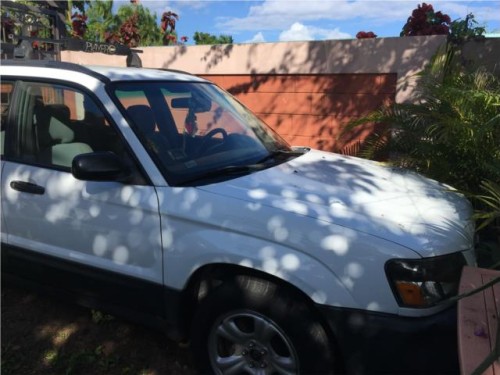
279	154
230	170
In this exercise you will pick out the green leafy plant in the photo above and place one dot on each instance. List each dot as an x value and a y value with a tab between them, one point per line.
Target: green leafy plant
463	30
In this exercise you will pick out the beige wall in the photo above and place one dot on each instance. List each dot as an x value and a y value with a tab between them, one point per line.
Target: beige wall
403	56
307	91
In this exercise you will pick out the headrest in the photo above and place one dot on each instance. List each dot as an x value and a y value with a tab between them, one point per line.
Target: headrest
59	120
59	111
143	117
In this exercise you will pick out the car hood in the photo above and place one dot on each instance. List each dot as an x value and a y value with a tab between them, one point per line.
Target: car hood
391	203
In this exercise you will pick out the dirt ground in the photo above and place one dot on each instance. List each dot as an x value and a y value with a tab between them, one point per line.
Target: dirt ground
45	336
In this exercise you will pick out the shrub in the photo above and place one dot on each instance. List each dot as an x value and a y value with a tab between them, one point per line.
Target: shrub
424	21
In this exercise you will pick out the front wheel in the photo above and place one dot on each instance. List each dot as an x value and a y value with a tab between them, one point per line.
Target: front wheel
252	327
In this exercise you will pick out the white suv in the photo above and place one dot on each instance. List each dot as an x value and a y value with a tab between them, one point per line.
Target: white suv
158	196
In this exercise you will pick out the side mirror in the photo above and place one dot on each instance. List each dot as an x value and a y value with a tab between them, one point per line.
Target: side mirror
99	166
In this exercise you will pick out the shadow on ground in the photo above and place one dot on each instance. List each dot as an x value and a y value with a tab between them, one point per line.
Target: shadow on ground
45	336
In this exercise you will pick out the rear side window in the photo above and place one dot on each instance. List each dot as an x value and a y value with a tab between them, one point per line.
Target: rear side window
6	95
55	123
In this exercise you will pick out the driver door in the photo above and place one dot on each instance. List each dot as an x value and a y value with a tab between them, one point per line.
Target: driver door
99	240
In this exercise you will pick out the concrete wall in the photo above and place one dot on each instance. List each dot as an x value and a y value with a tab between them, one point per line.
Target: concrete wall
306	90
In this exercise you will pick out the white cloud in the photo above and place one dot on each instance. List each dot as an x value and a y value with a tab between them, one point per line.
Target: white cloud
257	38
487	11
279	14
275	15
158	7
296	32
193	4
178	7
299	31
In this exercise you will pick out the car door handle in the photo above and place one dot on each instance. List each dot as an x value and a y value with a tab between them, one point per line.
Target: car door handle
27	187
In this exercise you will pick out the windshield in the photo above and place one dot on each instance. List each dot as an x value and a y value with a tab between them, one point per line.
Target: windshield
197	133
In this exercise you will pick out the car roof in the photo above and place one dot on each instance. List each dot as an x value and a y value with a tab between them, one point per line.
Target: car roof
109	73
141	74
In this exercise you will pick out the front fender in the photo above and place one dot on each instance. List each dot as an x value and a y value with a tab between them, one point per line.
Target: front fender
332	264
204	247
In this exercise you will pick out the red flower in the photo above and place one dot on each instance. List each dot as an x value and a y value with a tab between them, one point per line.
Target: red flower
168	20
78	24
423	21
366	35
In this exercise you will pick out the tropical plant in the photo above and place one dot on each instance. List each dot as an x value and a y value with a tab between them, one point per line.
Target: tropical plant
487	216
167	24
467	29
450	133
489	205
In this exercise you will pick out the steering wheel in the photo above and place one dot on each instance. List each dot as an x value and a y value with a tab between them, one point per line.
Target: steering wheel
204	146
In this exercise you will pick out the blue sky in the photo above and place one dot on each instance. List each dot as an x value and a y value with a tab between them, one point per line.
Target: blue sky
291	20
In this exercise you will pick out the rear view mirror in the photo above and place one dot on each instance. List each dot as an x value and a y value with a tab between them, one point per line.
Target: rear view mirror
197	103
182	103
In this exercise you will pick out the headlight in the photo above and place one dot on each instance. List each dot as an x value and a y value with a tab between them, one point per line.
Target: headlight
420	283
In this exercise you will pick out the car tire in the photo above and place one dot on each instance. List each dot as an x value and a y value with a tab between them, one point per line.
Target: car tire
253	326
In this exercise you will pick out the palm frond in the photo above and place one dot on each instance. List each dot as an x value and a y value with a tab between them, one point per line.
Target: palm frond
489	203
452	130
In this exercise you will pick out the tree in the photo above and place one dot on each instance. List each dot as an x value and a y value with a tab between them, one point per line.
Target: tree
148	31
100	22
128	33
206	38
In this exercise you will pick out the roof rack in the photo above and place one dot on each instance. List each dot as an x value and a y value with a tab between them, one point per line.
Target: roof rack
24	50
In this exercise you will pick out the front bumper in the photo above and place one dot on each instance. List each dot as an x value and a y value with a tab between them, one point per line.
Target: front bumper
371	342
